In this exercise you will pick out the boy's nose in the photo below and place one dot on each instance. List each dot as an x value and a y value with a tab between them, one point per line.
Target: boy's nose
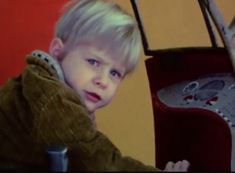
101	80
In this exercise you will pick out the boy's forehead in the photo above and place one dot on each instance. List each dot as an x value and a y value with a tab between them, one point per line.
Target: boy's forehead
96	49
93	45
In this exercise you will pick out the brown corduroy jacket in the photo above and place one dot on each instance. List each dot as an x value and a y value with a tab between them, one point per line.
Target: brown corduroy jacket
38	110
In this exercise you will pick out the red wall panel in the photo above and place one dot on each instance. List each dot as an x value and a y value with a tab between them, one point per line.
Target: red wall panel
25	25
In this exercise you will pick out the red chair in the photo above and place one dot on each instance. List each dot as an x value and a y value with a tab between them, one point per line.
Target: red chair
199	135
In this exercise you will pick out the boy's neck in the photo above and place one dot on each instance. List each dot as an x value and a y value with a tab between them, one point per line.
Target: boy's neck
93	120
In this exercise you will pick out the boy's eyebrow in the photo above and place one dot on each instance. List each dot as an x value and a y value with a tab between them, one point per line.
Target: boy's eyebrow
103	62
99	58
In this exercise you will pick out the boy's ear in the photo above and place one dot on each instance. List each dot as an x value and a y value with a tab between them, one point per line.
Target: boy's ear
56	47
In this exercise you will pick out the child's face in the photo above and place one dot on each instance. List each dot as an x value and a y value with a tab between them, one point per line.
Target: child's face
94	74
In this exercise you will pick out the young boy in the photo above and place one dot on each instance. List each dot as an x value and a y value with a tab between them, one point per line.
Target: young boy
53	101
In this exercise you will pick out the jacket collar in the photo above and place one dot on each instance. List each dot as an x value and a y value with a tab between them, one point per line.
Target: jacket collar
47	61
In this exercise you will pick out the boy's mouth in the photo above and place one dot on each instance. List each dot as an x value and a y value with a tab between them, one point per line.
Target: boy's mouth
93	97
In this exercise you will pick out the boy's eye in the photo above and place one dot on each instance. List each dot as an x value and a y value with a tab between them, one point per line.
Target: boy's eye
93	62
116	74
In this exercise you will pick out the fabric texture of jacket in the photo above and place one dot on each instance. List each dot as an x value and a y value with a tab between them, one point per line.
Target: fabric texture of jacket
38	110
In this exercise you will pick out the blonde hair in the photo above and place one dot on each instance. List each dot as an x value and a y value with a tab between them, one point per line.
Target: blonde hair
103	23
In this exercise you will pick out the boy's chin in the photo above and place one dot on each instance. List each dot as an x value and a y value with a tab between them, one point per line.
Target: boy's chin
91	112
92	108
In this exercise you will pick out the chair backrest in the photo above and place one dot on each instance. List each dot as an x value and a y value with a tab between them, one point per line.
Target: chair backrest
199	135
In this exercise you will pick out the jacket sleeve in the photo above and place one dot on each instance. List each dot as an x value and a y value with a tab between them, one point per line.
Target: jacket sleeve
62	119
